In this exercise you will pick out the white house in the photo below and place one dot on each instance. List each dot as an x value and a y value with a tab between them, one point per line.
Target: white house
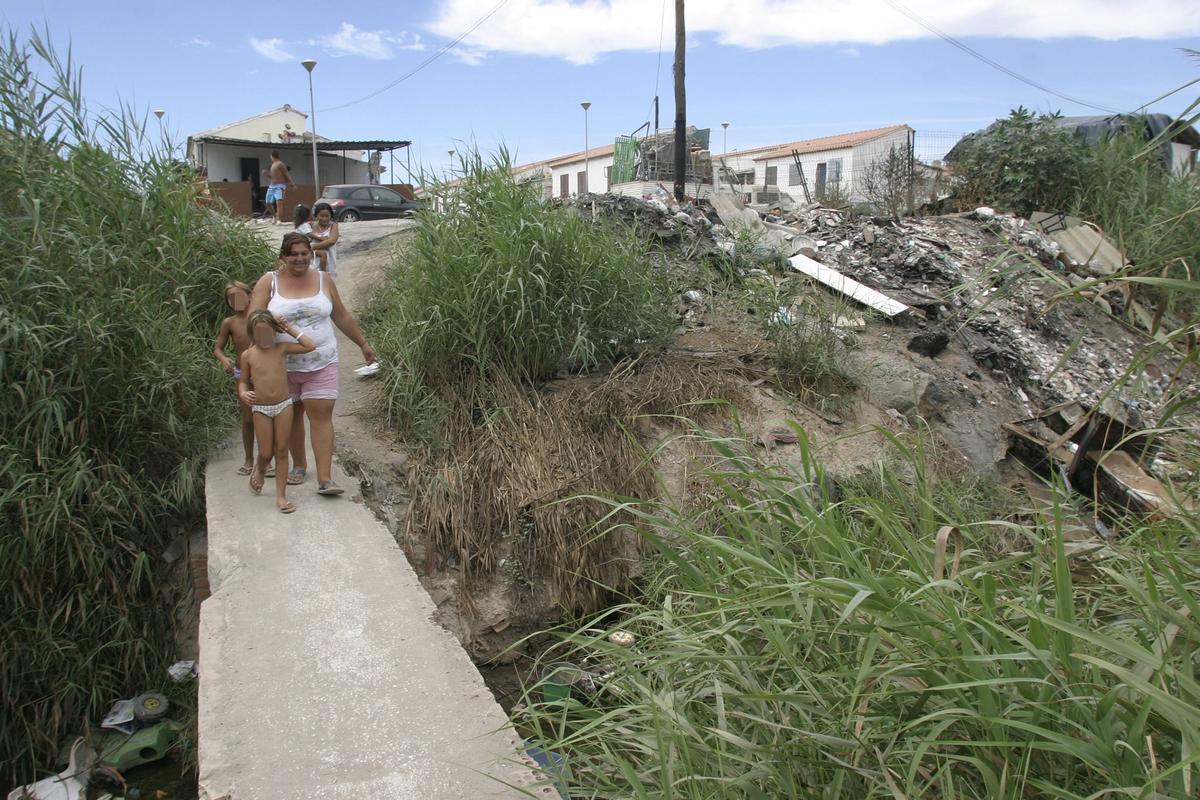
829	162
237	155
567	175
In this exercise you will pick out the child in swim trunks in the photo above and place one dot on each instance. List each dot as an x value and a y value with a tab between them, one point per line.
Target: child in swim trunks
264	387
237	297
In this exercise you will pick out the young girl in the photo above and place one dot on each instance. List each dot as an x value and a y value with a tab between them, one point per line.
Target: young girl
324	237
303	223
237	297
264	387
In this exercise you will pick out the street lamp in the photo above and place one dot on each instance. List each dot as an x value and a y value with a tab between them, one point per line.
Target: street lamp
308	64
586	105
158	112
724	138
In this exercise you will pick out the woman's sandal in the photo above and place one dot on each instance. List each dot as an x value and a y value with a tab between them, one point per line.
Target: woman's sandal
256	490
287	508
270	473
243	470
329	488
296	476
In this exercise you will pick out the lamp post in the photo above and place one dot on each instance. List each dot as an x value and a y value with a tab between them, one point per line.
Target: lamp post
586	104
724	138
308	64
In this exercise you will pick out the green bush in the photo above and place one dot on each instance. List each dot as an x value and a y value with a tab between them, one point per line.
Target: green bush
111	295
1024	162
499	282
1152	214
798	644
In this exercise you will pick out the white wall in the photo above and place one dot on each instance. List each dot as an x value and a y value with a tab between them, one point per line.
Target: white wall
810	162
596	180
1182	159
265	128
867	153
223	162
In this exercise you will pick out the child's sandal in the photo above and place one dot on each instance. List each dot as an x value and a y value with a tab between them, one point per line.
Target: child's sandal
287	508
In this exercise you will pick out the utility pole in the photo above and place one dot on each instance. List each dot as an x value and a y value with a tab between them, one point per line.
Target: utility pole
680	105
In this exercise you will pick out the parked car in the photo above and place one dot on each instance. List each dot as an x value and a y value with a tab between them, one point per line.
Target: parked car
355	201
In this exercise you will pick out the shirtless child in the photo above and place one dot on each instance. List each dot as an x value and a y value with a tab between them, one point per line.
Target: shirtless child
264	387
237	297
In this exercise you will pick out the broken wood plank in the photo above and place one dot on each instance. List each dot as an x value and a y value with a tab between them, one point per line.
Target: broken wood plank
848	286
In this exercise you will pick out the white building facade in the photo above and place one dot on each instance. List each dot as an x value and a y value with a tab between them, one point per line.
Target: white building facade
567	174
831	163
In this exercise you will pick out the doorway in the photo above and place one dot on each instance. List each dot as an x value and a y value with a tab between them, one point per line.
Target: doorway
250	171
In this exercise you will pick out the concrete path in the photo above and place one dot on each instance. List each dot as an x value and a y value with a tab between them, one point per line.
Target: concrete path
322	674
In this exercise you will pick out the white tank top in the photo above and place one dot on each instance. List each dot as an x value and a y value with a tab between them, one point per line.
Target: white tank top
312	316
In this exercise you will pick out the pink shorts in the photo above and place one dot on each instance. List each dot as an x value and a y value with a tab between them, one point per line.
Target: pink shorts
321	384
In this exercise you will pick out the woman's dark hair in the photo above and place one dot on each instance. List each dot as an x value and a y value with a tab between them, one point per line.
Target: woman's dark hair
301	216
319	207
290	239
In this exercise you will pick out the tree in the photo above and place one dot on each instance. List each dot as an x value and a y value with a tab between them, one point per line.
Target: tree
886	182
1024	162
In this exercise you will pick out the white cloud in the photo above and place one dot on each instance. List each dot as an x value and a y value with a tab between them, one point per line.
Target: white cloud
200	41
851	52
581	30
350	41
272	49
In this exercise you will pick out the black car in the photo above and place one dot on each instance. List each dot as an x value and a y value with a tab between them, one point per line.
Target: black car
354	201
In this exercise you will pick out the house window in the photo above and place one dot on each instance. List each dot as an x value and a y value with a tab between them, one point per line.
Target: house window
746	178
793	175
835	170
822	176
564	185
581	182
772	176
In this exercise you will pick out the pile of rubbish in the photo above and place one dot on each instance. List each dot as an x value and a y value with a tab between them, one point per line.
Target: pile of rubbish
995	282
135	731
658	217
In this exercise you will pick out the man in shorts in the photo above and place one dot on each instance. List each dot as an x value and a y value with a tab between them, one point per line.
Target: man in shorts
280	179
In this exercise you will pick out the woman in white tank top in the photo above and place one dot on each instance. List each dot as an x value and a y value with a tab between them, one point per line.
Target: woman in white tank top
310	299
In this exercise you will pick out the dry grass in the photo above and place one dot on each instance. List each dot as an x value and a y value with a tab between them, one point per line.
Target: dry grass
525	481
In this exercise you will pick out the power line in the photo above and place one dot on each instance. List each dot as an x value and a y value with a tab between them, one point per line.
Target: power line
662	22
445	49
994	64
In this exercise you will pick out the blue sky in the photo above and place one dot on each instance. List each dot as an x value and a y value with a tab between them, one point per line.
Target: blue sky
777	70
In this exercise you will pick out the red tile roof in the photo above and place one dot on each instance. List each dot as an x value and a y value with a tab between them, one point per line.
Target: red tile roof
837	142
595	152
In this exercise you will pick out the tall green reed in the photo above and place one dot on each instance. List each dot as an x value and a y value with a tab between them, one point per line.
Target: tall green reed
798	641
498	282
112	290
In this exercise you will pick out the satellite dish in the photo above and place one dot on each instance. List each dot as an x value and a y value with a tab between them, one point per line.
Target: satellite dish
287	126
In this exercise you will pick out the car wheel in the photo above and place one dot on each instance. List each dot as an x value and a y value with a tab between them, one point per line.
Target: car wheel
349	215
